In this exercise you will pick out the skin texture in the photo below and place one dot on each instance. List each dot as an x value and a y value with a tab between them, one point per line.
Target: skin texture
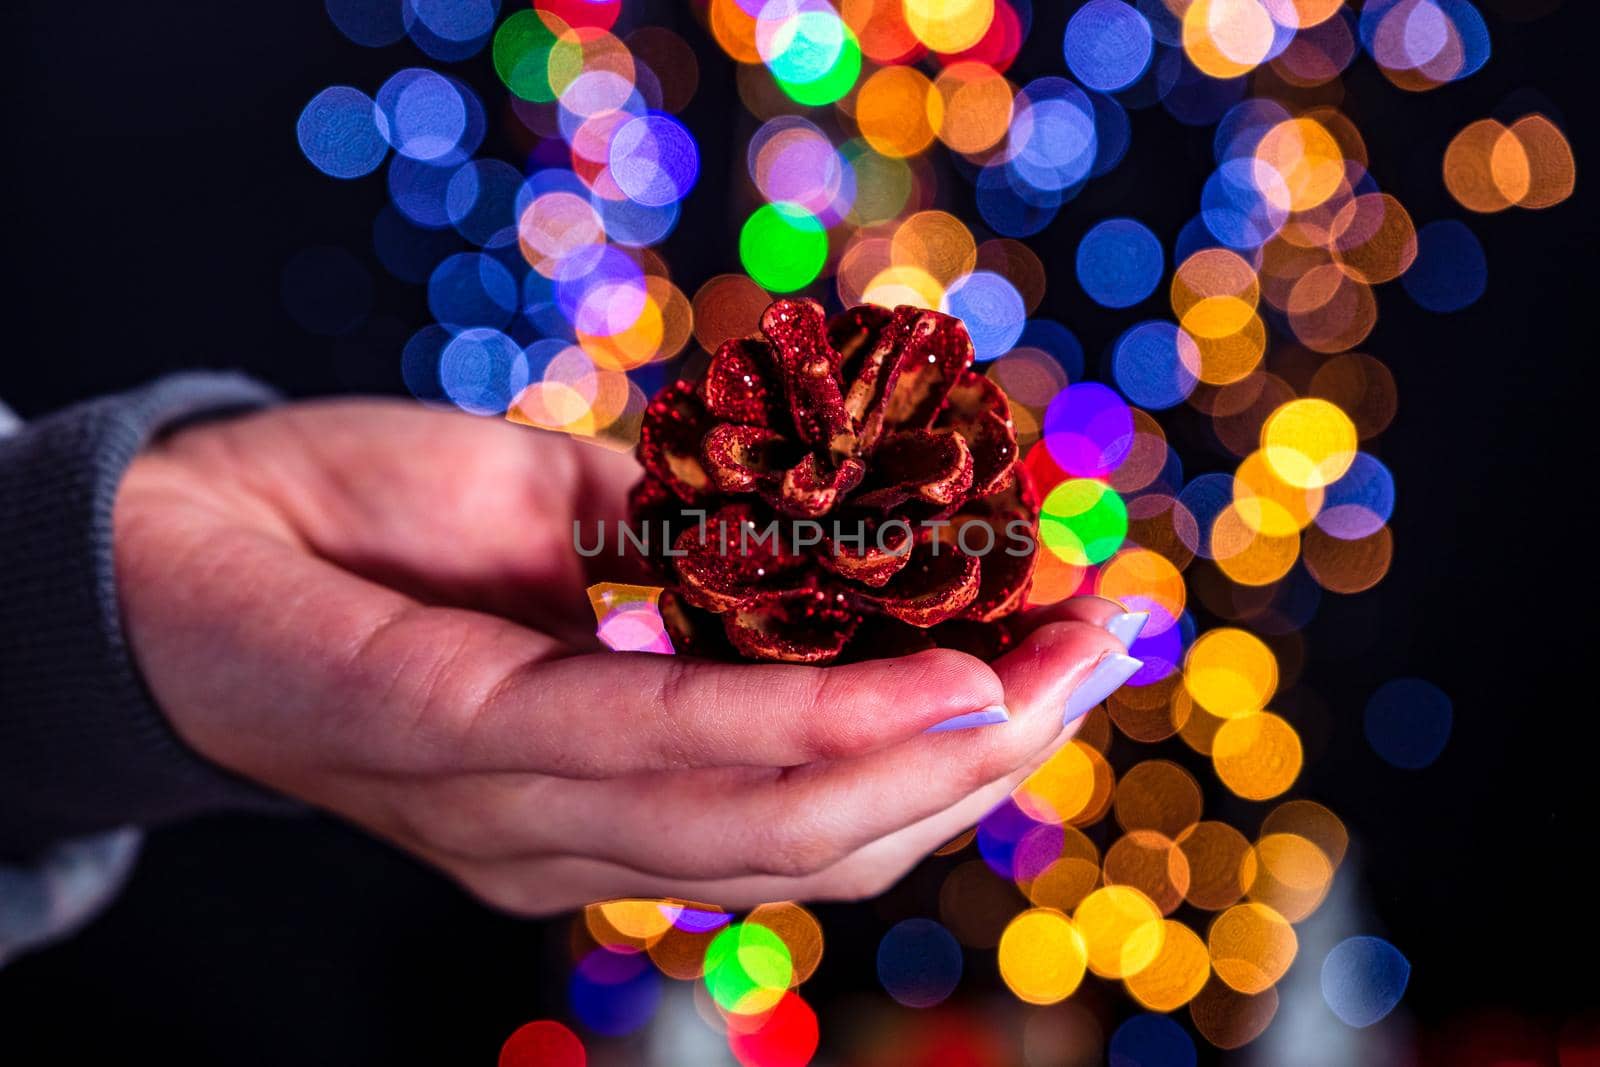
377	609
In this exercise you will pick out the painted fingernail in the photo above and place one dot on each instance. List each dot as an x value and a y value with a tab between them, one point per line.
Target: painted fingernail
1109	673
1127	626
967	720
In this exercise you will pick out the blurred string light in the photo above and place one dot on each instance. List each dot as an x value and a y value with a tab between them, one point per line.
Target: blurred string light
549	299
541	276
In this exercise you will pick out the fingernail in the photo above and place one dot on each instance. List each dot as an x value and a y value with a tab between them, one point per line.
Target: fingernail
1109	673
967	720
1127	626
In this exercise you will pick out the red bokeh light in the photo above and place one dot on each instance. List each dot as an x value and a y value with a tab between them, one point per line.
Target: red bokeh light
544	1043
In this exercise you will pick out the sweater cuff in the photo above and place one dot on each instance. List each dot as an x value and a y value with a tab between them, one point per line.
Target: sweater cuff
83	747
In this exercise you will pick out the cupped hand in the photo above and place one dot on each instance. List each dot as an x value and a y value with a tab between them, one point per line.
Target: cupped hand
379	610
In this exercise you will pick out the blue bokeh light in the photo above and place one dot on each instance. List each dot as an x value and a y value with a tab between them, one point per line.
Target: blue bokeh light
919	963
1450	271
1363	978
482	370
472	289
1052	142
1204	498
1050	336
342	133
419	363
999	833
992	310
1113	131
1108	45
1360	502
1004	207
457	20
1237	211
481	202
1151	1040
614	993
654	159
426	116
1120	263
421	191
1149	368
372	23
1408	722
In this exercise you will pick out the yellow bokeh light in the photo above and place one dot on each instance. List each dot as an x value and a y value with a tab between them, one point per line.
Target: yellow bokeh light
1230	673
1552	171
1064	883
1269	505
949	25
936	242
1214	273
1215	317
1306	160
1216	853
1042	956
1224	360
894	286
1064	787
1313	822
1149	862
641	920
1486	167
1070	877
892	111
1288	873
1227	38
1122	930
1158	795
1251	947
1248	556
800	933
1309	443
1257	756
735	30
1140	580
1178	972
970	107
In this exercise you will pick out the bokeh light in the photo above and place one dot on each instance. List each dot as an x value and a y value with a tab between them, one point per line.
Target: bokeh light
1408	722
1119	263
1224	474
1363	979
919	962
543	1043
342	133
1042	956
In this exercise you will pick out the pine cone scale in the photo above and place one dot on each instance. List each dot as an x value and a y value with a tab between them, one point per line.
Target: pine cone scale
843	464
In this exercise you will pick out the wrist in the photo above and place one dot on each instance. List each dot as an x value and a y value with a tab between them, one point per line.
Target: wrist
82	746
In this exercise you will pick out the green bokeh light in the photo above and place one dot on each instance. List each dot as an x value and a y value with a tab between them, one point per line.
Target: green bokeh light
1083	521
747	968
833	85
883	184
783	247
521	50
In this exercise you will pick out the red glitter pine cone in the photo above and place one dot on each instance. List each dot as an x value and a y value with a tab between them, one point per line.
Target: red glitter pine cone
876	453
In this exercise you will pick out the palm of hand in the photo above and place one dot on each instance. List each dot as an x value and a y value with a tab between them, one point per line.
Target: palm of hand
378	609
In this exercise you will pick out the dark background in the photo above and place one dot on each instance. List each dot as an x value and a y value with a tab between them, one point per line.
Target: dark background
153	193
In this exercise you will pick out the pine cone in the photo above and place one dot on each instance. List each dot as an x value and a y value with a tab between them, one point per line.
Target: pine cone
845	470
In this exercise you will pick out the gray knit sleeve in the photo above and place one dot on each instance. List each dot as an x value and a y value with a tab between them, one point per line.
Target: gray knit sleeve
83	749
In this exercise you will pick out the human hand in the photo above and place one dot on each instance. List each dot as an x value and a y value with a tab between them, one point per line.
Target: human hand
378	609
